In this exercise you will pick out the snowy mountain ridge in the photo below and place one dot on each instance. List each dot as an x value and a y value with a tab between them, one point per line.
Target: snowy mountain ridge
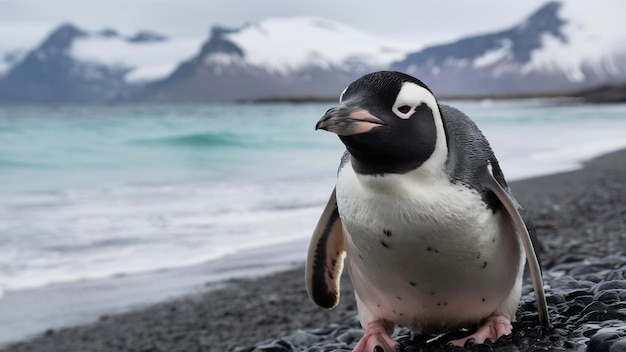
595	40
562	46
277	44
146	56
277	57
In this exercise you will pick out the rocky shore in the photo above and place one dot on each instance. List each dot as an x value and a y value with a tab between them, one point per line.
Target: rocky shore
581	222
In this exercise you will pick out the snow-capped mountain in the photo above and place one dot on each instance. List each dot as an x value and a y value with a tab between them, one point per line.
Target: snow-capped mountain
49	74
278	57
563	46
75	65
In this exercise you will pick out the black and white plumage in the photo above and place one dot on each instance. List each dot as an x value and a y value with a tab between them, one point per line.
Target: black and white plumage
432	236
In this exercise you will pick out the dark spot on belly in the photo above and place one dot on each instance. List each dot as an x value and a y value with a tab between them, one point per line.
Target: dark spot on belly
483	299
432	293
360	256
445	304
431	249
401	314
387	232
384	244
378	305
438	304
484	265
478	256
493	240
393	310
398	297
411	283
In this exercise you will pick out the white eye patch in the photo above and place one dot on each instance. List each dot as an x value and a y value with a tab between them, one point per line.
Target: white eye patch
409	98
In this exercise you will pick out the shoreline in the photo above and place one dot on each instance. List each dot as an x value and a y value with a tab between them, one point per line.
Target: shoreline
568	206
85	301
599	94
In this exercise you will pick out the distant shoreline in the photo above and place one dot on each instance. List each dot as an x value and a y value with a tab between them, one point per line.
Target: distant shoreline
608	93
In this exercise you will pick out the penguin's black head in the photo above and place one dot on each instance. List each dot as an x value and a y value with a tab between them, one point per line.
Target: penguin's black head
387	122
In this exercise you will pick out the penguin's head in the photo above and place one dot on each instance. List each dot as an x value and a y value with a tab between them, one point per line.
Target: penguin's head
387	121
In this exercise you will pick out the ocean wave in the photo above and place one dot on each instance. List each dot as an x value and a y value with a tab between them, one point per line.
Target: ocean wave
199	140
108	243
214	140
12	164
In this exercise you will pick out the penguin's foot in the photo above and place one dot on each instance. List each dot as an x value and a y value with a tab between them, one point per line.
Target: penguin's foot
375	339
495	327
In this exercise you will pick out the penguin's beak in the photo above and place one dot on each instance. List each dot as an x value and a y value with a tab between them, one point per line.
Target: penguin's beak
346	121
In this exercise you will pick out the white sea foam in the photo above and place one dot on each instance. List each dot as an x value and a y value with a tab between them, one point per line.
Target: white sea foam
93	234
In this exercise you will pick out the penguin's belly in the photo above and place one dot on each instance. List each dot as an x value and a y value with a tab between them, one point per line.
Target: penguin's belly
427	256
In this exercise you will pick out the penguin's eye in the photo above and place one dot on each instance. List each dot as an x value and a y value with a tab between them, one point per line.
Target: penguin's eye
404	109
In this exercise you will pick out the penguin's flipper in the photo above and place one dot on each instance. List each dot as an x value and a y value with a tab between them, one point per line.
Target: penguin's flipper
325	259
490	183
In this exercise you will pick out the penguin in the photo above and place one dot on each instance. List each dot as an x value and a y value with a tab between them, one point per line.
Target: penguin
421	214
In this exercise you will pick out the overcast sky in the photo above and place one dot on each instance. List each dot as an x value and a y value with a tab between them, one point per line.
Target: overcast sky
26	22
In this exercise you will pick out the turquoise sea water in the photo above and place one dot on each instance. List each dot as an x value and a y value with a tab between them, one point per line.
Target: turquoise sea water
89	192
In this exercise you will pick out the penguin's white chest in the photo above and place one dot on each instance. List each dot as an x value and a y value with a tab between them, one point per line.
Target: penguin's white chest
424	252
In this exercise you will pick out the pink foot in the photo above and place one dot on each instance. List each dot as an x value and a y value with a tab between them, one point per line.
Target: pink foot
375	339
495	327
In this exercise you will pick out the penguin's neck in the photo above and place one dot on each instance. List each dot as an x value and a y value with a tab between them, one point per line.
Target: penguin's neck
427	175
